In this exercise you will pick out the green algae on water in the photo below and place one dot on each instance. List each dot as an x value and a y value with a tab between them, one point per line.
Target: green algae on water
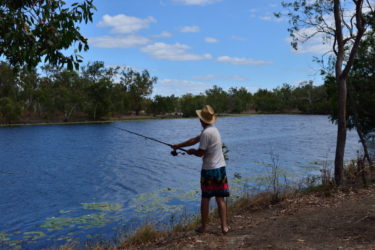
65	211
35	235
85	221
4	236
55	223
102	206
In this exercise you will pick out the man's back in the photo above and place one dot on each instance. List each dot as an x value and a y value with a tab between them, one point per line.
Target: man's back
210	141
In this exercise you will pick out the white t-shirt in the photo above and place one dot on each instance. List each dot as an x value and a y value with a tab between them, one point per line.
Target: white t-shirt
210	141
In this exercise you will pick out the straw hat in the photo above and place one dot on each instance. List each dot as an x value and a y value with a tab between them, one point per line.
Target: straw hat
206	114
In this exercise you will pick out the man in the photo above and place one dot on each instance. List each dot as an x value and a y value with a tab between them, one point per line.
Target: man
213	174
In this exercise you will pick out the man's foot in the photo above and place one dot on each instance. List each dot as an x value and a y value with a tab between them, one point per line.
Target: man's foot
225	230
200	230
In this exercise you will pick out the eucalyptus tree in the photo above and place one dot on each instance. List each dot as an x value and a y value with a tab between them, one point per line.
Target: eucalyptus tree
139	85
189	103
163	104
28	82
218	98
266	101
361	86
35	30
342	24
68	92
10	110
8	86
240	100
98	83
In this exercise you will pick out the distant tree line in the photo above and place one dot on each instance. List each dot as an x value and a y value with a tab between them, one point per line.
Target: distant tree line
98	92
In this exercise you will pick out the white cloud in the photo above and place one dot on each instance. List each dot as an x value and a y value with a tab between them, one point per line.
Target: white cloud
231	78
197	2
173	52
211	40
122	24
314	46
130	41
241	61
163	34
266	18
190	29
179	87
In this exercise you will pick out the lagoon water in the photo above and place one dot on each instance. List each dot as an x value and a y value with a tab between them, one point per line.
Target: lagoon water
78	182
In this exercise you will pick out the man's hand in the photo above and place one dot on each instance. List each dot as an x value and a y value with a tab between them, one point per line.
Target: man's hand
191	151
196	152
175	146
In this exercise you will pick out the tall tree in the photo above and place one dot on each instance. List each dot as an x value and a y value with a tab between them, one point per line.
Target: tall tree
98	85
32	30
361	91
190	103
240	100
218	98
9	109
311	18
163	104
138	85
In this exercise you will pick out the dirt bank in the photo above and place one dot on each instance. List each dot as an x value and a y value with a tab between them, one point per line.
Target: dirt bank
345	219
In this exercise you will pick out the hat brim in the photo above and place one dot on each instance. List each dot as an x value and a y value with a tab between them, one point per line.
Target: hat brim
199	114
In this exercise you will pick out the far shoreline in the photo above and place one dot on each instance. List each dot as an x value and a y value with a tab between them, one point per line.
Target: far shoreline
131	118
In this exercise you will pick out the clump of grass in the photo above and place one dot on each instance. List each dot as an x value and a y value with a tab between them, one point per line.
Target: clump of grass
276	179
184	226
322	184
143	235
255	202
357	172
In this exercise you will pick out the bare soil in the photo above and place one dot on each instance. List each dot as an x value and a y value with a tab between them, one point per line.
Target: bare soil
344	220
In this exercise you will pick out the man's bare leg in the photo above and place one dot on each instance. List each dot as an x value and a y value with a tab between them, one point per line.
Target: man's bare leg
205	204
223	213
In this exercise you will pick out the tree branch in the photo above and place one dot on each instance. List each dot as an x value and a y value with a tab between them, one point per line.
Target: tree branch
369	6
339	37
360	24
349	27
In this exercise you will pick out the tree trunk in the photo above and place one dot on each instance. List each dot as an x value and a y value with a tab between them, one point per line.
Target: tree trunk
95	112
341	132
364	145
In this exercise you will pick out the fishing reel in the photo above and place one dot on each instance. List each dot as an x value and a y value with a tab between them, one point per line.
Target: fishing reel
175	153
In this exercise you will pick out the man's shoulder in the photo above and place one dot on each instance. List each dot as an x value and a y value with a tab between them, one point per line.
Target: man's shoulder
211	130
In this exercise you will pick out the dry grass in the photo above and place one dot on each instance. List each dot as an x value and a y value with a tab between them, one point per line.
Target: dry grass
144	235
187	226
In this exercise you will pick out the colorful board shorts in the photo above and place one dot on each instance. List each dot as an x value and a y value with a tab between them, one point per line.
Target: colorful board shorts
214	182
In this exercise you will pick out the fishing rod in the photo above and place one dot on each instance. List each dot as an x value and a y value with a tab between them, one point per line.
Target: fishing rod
174	152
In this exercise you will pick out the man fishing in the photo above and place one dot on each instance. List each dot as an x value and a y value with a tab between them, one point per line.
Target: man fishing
214	182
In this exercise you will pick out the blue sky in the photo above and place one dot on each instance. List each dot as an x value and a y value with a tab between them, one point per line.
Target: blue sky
191	45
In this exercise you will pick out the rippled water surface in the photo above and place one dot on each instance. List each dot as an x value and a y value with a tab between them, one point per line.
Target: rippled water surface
64	182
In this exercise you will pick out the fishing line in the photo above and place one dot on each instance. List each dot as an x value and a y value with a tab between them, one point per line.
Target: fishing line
174	152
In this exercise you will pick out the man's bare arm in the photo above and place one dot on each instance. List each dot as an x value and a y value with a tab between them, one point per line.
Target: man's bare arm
187	143
196	152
